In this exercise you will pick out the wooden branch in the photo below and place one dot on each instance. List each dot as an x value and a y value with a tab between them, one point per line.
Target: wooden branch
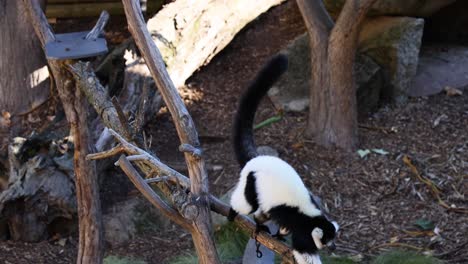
351	16
39	21
179	179
182	119
247	224
150	195
316	18
97	95
106	154
155	163
99	27
202	235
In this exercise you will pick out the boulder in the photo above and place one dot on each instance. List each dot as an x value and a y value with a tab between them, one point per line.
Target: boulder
385	65
393	43
291	92
418	8
440	67
124	220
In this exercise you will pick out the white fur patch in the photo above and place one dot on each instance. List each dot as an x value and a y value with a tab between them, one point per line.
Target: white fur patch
337	227
277	184
238	201
306	258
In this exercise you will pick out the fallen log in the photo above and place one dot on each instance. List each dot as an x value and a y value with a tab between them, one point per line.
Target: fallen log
190	33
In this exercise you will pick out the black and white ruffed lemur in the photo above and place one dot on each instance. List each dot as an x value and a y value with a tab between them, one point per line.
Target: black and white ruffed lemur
268	186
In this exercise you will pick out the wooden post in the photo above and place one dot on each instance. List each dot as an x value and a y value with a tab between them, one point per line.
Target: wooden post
76	109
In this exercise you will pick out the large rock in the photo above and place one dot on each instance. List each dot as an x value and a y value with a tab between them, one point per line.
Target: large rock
385	65
439	67
394	43
124	220
291	92
418	8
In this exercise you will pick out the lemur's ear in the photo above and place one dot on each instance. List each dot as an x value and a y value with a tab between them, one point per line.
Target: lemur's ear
317	235
337	227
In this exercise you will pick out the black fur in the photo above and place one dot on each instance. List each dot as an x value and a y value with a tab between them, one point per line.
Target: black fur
232	214
250	192
244	143
301	226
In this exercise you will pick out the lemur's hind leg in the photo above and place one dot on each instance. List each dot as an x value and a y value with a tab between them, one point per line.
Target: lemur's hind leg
261	218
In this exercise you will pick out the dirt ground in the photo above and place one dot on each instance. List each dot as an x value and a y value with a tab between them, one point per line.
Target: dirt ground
378	200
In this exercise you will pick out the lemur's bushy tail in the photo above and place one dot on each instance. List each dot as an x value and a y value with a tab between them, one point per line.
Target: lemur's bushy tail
244	143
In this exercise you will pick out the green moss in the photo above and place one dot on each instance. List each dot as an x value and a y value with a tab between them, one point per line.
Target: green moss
122	260
404	257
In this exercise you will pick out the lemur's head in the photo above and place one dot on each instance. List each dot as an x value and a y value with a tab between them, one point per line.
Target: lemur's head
324	233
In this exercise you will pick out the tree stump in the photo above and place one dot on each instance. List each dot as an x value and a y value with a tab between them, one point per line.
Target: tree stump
41	190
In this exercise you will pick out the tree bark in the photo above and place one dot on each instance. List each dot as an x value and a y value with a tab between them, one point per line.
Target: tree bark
333	111
25	82
73	101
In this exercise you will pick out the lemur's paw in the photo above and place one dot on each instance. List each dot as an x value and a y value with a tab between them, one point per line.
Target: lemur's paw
317	232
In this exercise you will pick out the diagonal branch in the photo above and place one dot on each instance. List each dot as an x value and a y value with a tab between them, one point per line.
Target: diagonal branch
177	178
317	20
150	195
97	95
202	234
99	27
39	21
351	16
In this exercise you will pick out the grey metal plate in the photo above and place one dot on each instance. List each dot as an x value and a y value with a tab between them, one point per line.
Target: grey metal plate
74	46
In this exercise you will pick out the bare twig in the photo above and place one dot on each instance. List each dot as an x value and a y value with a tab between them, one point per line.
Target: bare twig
99	27
155	163
122	117
432	187
143	104
106	154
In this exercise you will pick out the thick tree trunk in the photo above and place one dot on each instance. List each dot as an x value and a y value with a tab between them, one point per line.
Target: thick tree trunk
75	106
24	83
333	109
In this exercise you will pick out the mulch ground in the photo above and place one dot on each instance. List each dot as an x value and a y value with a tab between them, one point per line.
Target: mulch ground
378	200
